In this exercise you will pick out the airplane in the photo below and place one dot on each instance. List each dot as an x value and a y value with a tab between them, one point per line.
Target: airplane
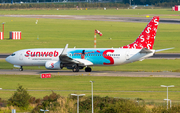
79	58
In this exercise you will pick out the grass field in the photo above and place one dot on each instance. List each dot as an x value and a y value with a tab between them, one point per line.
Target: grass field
55	33
103	86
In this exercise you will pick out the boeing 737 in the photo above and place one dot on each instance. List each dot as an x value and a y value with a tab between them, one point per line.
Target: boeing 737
79	58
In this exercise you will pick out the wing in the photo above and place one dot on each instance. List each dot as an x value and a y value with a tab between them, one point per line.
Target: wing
67	60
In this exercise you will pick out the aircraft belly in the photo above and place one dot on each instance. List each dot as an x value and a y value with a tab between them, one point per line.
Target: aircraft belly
35	63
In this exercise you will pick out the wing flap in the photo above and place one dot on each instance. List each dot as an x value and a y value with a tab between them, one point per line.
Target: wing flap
66	59
83	62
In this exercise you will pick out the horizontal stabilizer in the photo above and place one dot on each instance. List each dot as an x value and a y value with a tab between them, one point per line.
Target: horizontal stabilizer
145	50
163	49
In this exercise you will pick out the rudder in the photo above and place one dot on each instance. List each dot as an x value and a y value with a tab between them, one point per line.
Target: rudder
147	36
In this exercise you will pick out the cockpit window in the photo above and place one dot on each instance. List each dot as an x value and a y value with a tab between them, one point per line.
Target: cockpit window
13	54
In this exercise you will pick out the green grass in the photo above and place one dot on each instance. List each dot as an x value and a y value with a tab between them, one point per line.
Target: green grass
164	13
55	33
103	86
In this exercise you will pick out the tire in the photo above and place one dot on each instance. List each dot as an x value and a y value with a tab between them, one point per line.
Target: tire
88	69
21	69
61	66
76	69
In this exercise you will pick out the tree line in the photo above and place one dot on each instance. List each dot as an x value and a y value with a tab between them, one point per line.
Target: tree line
151	2
94	2
79	4
23	102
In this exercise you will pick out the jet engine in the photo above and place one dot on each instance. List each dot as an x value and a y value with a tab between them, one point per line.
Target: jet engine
52	65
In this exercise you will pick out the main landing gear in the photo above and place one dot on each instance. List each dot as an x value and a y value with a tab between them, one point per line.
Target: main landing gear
88	69
21	68
76	68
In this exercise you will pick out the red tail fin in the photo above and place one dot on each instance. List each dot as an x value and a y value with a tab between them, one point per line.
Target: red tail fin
147	37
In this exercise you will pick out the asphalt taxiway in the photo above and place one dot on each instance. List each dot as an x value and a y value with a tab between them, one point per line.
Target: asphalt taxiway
93	73
97	18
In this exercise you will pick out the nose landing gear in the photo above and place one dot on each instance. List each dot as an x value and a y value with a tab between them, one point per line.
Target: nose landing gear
21	68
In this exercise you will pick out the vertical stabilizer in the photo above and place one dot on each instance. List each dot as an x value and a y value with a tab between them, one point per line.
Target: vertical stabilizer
147	37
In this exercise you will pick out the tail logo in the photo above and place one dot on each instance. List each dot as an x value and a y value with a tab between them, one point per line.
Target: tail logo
156	21
141	37
148	30
148	45
147	37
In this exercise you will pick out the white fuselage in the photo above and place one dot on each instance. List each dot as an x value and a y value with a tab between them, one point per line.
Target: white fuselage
98	56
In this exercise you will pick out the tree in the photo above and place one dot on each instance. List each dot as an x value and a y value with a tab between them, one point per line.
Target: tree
48	102
20	98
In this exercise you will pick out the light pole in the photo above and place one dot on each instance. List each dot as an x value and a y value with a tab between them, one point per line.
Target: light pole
3	29
78	100
92	94
169	101
167	92
130	3
43	110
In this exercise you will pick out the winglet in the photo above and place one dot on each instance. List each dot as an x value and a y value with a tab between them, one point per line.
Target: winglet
163	49
64	52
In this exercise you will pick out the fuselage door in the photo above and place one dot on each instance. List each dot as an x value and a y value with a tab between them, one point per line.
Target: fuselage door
70	55
127	55
21	56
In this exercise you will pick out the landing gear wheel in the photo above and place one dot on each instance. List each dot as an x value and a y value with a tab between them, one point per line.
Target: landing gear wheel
21	68
76	69
88	69
61	65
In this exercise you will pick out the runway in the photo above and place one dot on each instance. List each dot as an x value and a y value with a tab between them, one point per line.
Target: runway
165	56
93	73
97	18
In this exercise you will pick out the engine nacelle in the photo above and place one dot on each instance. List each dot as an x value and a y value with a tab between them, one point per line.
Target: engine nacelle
53	65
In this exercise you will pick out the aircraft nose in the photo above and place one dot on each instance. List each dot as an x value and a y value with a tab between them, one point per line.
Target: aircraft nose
8	59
